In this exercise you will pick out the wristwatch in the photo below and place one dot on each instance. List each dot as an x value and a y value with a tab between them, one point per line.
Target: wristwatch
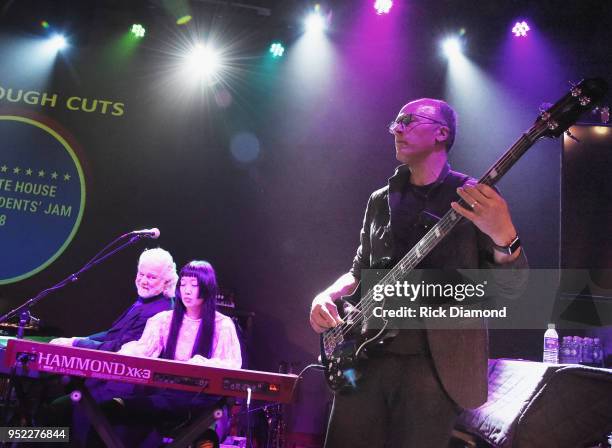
510	248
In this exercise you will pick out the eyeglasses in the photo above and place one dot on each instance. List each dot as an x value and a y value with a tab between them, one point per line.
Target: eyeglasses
405	119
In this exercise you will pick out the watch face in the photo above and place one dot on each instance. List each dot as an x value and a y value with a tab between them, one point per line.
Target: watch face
511	248
514	245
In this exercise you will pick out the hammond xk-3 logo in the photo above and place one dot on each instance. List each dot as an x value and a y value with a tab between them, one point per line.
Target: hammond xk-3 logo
95	368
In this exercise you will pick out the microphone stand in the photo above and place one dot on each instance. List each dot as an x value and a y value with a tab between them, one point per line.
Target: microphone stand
23	311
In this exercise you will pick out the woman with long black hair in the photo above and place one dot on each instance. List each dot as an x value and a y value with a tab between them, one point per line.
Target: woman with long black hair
193	332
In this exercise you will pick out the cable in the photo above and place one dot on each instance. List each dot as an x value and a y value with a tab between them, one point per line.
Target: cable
301	374
248	419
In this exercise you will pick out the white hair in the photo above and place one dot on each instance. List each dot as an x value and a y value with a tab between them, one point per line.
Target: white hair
163	257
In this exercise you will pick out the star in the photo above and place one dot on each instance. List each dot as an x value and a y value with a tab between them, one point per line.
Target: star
41	173
16	170
3	168
66	176
29	172
53	175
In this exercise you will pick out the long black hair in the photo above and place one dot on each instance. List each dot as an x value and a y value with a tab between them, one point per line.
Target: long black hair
207	282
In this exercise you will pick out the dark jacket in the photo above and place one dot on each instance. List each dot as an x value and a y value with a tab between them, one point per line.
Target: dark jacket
460	355
128	327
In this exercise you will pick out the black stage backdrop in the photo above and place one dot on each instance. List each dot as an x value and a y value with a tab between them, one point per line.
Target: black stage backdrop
282	227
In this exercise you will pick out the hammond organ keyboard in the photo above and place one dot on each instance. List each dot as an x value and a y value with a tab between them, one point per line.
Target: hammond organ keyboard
28	357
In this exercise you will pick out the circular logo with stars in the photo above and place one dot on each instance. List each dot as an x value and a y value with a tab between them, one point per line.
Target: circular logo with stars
42	196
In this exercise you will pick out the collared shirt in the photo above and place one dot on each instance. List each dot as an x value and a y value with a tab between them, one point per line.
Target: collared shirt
414	208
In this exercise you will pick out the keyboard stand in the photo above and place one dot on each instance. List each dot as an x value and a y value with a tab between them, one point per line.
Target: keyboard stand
200	424
82	398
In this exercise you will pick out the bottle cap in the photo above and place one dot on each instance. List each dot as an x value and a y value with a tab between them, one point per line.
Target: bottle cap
551	326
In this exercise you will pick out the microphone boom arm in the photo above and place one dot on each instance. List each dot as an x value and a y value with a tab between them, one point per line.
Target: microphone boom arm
24	310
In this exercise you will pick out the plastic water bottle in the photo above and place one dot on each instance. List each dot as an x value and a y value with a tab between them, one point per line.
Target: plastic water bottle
578	349
597	353
551	345
565	351
587	351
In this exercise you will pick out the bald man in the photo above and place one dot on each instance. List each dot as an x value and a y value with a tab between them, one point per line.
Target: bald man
410	392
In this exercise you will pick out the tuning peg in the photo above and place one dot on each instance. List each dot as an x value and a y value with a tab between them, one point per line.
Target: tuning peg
552	124
544	109
584	100
570	135
576	91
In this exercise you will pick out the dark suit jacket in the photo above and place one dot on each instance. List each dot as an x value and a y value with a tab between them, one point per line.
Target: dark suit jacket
460	354
128	327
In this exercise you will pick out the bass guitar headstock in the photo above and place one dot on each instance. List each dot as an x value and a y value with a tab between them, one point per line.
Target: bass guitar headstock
555	119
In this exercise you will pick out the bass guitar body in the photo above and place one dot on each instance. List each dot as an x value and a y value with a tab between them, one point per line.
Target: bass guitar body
349	345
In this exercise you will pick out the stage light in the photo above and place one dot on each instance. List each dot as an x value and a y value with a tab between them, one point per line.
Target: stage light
277	49
520	29
56	43
383	6
45	24
138	30
203	61
184	19
315	22
451	47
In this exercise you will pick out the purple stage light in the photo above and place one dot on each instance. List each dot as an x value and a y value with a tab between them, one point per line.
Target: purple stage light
520	29
383	6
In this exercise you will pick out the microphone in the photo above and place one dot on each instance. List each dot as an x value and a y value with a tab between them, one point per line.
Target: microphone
146	233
